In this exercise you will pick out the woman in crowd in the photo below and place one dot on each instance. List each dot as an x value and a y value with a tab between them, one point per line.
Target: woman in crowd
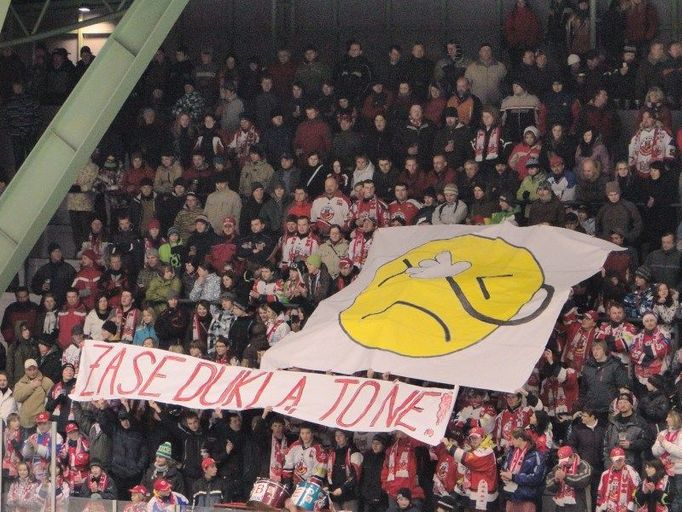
96	318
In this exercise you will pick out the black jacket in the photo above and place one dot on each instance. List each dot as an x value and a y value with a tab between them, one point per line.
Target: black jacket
129	454
207	493
589	444
370	479
600	382
61	276
192	443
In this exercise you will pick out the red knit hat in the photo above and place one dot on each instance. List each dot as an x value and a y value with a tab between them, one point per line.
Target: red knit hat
162	485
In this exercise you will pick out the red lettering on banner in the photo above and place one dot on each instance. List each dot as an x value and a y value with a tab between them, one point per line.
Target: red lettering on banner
107	349
225	392
392	410
376	386
260	391
211	366
138	374
413	407
234	392
294	396
346	382
113	366
156	374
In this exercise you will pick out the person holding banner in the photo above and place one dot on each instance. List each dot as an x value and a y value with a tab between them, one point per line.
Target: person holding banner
400	470
344	463
480	479
304	458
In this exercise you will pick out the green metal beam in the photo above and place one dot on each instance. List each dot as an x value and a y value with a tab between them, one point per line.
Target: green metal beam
41	184
4	7
63	30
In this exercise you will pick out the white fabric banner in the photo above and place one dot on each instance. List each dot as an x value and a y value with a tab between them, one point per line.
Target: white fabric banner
466	305
116	370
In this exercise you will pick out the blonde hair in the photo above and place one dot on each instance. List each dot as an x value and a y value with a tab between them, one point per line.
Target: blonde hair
676	418
176	348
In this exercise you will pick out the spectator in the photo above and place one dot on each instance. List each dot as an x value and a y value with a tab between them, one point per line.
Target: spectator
486	75
30	392
591	187
569	480
453	210
622	495
651	143
21	310
22	349
618	214
650	72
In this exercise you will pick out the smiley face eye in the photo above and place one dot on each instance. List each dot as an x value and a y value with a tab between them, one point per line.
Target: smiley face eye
481	283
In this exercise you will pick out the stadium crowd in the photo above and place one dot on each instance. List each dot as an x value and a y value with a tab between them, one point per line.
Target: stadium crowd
229	199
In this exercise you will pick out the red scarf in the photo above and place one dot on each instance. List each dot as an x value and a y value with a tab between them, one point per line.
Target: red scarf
277	451
671	437
517	460
199	328
619	491
565	495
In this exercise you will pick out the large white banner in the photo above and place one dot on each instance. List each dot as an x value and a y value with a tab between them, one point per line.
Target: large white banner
467	305
116	370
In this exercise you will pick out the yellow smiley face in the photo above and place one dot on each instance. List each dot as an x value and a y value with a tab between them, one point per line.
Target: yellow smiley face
446	295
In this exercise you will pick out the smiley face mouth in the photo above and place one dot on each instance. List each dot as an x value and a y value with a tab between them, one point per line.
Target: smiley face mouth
446	330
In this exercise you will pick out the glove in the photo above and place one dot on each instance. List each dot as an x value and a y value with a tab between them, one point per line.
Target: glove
75	188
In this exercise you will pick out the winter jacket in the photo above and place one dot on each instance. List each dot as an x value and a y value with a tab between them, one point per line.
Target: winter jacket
169	473
551	212
318	286
370	478
207	493
192	443
635	430
331	254
17	354
8	404
129	449
68	318
530	477
100	442
221	204
445	213
60	274
665	266
50	364
669	447
31	400
654	407
589	444
81	197
600	383
313	135
622	215
578	481
486	79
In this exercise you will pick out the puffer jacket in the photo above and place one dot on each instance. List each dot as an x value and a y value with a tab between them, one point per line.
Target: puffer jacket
530	477
600	383
129	448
